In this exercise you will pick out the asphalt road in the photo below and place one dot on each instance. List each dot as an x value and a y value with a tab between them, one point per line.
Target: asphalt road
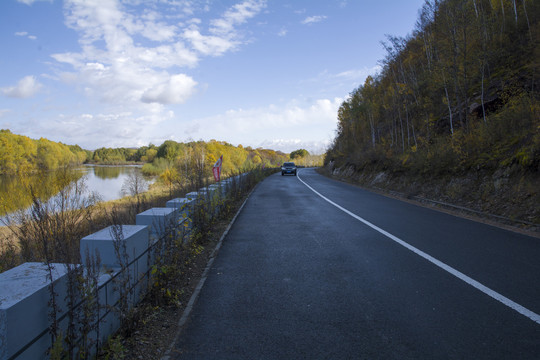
299	278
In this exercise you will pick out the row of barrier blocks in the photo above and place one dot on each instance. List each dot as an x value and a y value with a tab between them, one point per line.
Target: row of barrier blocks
25	293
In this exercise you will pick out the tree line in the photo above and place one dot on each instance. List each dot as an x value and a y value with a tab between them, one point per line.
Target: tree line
173	160
157	158
460	92
21	155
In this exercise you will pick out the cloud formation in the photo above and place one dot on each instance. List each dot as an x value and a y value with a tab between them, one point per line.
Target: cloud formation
223	34
290	145
30	2
359	74
25	34
313	19
27	87
134	59
314	124
174	91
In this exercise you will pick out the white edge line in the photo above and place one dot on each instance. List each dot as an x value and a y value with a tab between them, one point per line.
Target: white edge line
189	307
495	295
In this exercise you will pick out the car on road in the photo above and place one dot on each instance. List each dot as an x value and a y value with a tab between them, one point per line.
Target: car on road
288	168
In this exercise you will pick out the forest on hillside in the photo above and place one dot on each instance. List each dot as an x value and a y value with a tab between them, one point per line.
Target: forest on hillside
460	93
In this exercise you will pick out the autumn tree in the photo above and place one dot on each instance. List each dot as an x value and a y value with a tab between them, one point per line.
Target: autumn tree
462	83
300	153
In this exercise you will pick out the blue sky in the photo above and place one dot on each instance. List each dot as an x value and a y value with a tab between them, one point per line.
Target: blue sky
259	73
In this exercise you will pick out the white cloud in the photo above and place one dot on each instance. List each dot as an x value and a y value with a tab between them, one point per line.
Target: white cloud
282	32
30	2
159	31
175	91
91	131
25	88
25	34
117	68
313	19
224	36
236	15
292	124
284	127
290	145
209	44
341	83
359	74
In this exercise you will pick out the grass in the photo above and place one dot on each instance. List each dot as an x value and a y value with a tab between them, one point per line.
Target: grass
19	244
125	210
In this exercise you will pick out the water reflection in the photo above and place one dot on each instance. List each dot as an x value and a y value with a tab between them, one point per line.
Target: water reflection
109	172
16	191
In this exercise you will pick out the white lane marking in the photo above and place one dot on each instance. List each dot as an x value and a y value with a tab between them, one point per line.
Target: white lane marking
495	295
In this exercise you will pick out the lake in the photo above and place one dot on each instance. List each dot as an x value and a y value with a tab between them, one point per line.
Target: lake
16	191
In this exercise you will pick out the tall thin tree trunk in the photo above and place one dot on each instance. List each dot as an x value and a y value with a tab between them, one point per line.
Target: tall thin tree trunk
482	96
515	10
407	121
527	17
414	136
402	132
449	106
372	125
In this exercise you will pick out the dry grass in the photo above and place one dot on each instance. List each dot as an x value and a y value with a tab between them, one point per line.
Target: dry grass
125	210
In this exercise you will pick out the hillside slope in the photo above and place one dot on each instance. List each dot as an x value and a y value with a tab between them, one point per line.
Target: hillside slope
501	197
454	114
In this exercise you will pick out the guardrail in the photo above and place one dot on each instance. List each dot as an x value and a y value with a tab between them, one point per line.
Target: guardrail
127	252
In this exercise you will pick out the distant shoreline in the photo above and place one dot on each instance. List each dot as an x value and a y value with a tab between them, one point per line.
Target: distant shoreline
106	163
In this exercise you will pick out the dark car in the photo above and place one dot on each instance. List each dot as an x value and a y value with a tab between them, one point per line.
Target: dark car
288	168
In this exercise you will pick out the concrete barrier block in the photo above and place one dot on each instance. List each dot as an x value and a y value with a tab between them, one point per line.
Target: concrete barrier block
160	221
24	308
183	205
198	196
215	186
108	297
227	184
194	195
134	237
209	192
220	187
211	198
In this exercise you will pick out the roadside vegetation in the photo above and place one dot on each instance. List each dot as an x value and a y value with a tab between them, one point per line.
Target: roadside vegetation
69	212
454	113
55	223
50	233
302	157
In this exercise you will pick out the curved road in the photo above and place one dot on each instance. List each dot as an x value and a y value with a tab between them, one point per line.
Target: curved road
318	269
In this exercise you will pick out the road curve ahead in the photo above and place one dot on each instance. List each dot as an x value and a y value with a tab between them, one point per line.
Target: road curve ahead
318	269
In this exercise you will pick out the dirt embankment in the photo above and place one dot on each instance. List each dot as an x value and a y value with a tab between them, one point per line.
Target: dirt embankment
505	197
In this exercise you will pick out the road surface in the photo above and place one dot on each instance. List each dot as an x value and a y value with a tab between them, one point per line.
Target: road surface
318	269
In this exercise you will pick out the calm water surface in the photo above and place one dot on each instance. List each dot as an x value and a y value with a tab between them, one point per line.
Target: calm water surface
106	181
